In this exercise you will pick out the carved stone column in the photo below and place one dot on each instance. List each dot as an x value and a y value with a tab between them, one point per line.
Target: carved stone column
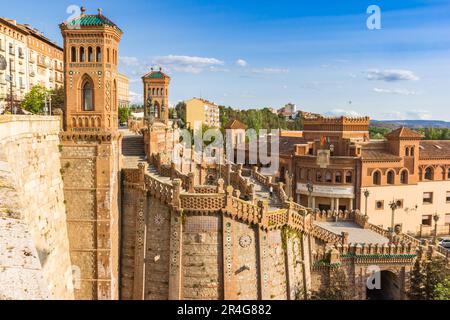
175	263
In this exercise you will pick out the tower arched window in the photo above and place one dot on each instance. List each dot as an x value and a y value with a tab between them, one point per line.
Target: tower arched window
82	55
404	177
98	54
73	54
108	58
90	54
318	176
429	173
87	96
376	178
412	152
390	177
407	152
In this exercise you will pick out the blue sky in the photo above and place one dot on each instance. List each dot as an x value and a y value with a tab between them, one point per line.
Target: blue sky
317	54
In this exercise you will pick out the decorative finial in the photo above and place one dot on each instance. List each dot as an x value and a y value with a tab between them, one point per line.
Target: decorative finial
160	69
100	11
83	10
151	69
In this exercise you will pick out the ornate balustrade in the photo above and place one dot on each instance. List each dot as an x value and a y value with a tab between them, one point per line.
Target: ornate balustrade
202	202
244	210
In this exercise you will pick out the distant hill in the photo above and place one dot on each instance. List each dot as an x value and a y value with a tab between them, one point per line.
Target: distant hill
415	124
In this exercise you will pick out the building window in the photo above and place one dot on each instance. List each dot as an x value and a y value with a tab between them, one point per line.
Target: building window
73	54
404	177
412	152
108	58
448	196
328	177
427	220
98	54
379	205
407	152
448	173
390	177
348	177
88	96
90	55
427	197
338	178
376	178
429	173
447	219
82	55
399	204
318	176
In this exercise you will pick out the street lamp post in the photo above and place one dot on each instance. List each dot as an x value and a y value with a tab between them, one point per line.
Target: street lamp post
366	195
310	187
436	220
394	207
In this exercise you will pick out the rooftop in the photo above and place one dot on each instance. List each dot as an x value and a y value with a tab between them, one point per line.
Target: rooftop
91	20
356	234
403	133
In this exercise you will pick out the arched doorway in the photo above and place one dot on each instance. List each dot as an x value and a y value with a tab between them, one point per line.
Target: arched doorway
389	288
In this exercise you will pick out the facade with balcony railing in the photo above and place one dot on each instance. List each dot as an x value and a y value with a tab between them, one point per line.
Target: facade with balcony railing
33	59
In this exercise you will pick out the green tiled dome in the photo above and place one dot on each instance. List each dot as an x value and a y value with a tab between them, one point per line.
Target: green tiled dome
87	20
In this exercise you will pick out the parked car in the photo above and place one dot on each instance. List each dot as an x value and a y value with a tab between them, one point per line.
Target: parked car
445	243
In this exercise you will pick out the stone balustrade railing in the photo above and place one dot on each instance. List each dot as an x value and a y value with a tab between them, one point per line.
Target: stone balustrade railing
202	202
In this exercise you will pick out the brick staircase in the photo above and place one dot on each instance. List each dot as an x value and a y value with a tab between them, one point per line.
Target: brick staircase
132	149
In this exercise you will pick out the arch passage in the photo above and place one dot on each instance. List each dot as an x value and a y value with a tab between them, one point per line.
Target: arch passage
390	288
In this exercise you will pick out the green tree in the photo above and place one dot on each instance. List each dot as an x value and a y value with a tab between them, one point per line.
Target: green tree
442	291
181	111
58	98
430	280
124	114
34	100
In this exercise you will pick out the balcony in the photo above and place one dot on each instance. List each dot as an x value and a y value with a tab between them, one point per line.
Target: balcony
32	59
12	52
32	74
22	70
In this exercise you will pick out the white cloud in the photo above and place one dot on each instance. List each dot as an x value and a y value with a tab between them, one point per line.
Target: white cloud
342	112
129	61
407	115
391	75
270	71
418	115
136	98
187	64
241	63
403	92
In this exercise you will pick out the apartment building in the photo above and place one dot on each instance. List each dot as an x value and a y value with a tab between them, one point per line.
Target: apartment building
204	111
31	59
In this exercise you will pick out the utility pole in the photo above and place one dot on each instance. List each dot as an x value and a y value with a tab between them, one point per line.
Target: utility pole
11	98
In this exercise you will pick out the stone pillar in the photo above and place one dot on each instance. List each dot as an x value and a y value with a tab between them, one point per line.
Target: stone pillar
229	278
337	204
191	182
351	207
176	249
313	203
332	205
140	248
263	265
